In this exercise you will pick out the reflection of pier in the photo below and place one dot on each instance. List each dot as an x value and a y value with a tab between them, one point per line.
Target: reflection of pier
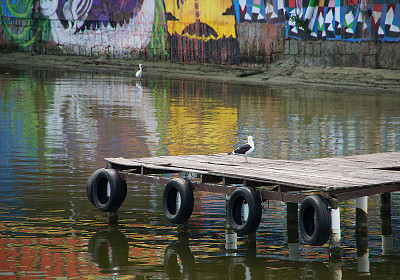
112	251
318	185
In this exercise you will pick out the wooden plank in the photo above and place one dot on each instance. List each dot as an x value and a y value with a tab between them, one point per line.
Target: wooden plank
320	174
379	160
330	178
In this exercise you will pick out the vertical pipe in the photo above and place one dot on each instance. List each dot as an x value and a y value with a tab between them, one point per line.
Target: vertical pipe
386	224
362	235
292	224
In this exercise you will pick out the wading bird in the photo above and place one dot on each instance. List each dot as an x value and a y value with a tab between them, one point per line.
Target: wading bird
139	72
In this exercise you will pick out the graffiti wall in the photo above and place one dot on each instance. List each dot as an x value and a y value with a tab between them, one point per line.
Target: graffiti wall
94	25
222	31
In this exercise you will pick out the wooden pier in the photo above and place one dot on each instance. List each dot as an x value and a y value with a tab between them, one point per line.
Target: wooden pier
318	185
341	178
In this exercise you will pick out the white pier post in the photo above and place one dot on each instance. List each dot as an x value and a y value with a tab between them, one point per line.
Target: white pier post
361	215
386	224
362	235
230	235
335	248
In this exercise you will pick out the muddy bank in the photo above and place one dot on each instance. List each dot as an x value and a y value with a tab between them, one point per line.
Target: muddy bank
280	74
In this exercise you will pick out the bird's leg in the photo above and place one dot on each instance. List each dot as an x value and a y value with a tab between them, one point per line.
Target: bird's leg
245	159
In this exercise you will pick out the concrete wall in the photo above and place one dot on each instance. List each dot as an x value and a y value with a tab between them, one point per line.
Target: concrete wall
342	53
247	32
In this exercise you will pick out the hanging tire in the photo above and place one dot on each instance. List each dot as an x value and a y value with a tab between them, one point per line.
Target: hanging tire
89	185
238	222
315	220
106	190
177	201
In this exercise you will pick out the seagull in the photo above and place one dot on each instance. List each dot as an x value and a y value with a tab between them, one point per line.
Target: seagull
139	72
245	149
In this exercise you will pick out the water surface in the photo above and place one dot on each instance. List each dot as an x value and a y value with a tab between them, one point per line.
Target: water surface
56	128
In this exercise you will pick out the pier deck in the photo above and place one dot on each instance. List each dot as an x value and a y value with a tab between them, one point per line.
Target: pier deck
340	178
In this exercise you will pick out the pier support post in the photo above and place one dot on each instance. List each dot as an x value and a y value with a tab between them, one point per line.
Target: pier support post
292	224
362	235
335	248
230	234
386	224
112	218
361	215
230	242
183	229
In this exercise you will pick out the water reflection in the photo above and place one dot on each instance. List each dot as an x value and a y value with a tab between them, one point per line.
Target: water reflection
111	251
57	127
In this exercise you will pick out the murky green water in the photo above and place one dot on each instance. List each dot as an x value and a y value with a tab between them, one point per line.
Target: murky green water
56	128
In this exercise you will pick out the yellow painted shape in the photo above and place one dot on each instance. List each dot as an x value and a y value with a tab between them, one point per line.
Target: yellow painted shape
210	13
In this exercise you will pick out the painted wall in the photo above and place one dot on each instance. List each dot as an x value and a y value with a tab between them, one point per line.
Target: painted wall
223	31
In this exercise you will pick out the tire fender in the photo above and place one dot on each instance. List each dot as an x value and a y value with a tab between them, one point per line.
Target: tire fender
315	221
106	190
236	203
178	212
89	185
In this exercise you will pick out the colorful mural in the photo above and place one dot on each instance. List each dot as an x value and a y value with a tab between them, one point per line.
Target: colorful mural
101	24
202	30
185	30
37	28
352	20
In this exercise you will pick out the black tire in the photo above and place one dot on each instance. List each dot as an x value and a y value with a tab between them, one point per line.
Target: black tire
89	185
174	214
97	189
315	221
238	198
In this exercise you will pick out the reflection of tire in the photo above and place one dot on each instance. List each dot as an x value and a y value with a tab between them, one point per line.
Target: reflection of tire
109	250
314	270
239	199
178	201
178	260
106	190
315	220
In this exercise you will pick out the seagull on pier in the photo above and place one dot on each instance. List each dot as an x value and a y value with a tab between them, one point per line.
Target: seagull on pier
139	72
245	149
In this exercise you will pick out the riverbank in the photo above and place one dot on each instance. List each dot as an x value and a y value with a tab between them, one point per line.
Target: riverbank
287	73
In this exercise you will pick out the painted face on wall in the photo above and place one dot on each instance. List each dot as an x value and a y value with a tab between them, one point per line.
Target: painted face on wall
48	7
200	19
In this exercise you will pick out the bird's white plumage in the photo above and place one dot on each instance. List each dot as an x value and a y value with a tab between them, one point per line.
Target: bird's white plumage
245	149
139	72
